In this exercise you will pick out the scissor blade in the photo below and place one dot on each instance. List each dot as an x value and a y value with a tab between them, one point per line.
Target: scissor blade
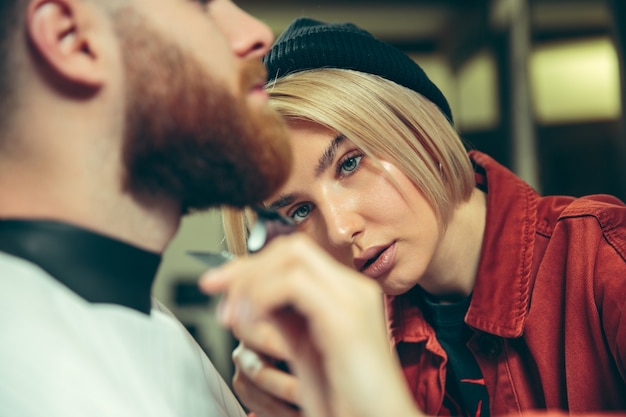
212	259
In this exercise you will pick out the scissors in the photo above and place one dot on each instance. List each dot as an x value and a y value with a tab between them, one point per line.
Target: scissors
268	225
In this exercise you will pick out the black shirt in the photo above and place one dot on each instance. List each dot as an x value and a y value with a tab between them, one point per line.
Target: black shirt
98	268
466	394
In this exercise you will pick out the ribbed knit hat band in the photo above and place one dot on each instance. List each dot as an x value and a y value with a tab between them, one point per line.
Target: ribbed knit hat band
311	44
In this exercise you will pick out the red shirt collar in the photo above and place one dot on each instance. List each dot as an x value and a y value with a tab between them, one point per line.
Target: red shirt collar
500	298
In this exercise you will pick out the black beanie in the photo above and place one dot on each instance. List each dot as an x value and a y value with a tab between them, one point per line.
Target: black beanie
311	44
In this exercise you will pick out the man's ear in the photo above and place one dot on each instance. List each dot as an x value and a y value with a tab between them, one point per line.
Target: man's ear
62	33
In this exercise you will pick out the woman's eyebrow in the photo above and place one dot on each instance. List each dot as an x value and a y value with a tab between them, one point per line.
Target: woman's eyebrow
324	162
329	155
283	200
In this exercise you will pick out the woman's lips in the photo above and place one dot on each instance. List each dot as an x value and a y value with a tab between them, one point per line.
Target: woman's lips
380	264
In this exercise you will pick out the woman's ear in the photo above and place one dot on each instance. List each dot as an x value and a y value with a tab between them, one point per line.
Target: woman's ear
64	36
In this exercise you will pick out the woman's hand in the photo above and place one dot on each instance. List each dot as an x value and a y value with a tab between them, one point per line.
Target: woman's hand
262	387
293	302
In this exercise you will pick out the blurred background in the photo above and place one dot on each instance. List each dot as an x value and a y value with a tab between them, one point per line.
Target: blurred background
537	84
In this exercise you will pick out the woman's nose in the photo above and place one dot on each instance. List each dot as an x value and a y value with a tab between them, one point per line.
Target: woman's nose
343	225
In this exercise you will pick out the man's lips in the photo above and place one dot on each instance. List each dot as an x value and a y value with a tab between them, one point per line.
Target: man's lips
257	90
257	85
376	261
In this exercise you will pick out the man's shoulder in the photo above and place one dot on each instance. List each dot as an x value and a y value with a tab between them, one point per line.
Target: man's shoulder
81	358
25	287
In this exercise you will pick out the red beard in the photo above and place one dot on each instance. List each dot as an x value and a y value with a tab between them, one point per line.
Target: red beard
187	137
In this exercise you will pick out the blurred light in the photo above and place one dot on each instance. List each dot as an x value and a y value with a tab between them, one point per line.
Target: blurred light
575	81
440	73
477	93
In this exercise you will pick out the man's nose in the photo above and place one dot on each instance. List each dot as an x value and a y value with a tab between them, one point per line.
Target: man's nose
248	36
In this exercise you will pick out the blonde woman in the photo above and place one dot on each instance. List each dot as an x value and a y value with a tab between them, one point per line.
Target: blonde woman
497	300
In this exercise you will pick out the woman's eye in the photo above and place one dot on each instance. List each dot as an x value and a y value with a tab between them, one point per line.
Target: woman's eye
350	164
300	213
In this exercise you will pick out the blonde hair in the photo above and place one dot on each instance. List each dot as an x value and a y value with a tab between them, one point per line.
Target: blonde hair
386	121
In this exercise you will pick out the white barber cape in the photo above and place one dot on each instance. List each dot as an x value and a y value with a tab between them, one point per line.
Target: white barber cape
61	356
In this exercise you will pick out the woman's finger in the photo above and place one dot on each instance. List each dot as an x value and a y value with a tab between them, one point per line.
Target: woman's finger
256	370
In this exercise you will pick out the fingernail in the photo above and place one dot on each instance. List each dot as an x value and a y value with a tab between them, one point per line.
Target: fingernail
208	276
222	312
250	362
211	282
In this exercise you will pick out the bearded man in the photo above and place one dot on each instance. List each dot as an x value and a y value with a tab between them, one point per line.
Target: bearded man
117	118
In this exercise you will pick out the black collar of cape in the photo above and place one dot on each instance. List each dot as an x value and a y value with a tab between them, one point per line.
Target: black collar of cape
97	268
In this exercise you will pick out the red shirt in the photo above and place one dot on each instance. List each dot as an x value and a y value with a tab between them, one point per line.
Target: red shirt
548	307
